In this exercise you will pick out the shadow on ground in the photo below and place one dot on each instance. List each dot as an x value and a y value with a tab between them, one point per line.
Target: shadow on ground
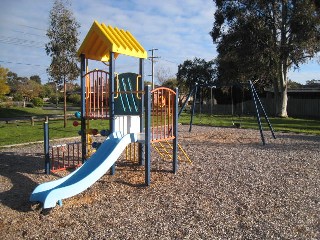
14	168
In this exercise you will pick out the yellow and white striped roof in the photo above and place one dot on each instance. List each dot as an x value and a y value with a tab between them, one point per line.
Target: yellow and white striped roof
102	39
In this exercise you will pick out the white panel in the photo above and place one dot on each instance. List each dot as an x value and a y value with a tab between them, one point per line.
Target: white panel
121	124
127	124
134	124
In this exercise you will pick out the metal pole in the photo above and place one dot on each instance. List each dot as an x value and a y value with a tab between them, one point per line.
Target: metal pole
211	102
83	109
152	66
46	148
175	133
185	103
111	102
152	71
193	106
141	87
257	111
264	112
231	103
147	134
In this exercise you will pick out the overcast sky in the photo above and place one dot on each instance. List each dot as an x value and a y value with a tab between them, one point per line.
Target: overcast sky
179	29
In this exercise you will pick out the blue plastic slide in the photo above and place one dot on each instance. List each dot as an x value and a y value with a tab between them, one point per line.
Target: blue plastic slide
91	171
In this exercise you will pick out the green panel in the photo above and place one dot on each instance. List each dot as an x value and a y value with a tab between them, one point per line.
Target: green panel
127	101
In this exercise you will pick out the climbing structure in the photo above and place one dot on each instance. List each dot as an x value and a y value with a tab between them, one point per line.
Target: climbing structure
123	103
107	95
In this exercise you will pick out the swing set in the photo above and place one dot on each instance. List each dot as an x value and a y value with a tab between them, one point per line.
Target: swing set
196	90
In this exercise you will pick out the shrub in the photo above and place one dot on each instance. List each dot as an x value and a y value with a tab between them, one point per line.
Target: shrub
37	102
53	98
17	97
74	98
29	105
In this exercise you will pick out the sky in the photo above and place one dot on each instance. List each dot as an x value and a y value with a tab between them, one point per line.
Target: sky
178	29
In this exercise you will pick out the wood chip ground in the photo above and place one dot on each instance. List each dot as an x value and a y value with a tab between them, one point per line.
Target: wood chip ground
236	188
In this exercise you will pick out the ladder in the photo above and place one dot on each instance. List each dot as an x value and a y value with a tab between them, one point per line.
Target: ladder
164	148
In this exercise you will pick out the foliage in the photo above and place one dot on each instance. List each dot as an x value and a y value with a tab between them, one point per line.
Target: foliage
163	74
3	73
146	83
14	81
36	79
62	47
30	105
17	97
4	87
313	83
74	98
261	40
171	83
195	71
294	85
37	102
48	90
22	87
30	89
191	72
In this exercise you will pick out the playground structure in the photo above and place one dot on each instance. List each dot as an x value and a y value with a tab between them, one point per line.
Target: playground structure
258	106
139	117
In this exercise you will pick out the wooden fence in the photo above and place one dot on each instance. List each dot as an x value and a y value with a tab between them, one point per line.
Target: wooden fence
302	108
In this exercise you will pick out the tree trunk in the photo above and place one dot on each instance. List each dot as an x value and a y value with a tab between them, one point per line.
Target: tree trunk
276	96
284	90
284	103
284	55
64	102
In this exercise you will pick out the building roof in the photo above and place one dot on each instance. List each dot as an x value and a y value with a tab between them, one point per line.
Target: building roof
102	39
297	90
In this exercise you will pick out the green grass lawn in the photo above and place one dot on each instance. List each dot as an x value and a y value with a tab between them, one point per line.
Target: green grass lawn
25	112
295	125
15	132
22	132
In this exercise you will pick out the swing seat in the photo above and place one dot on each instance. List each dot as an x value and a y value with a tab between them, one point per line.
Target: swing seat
237	125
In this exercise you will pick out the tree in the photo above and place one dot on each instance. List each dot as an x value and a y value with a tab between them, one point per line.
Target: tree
163	74
171	83
195	71
294	85
62	47
30	90
4	87
14	81
313	83
261	40
36	79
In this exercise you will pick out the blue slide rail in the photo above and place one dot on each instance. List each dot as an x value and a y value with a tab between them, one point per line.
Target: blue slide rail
92	170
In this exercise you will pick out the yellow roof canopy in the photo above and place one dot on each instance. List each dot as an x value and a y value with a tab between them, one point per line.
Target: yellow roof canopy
102	39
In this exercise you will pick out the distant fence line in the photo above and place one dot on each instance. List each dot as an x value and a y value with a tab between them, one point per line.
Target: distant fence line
33	119
302	108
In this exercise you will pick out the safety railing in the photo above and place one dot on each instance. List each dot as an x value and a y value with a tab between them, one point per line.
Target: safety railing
65	156
97	94
162	114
